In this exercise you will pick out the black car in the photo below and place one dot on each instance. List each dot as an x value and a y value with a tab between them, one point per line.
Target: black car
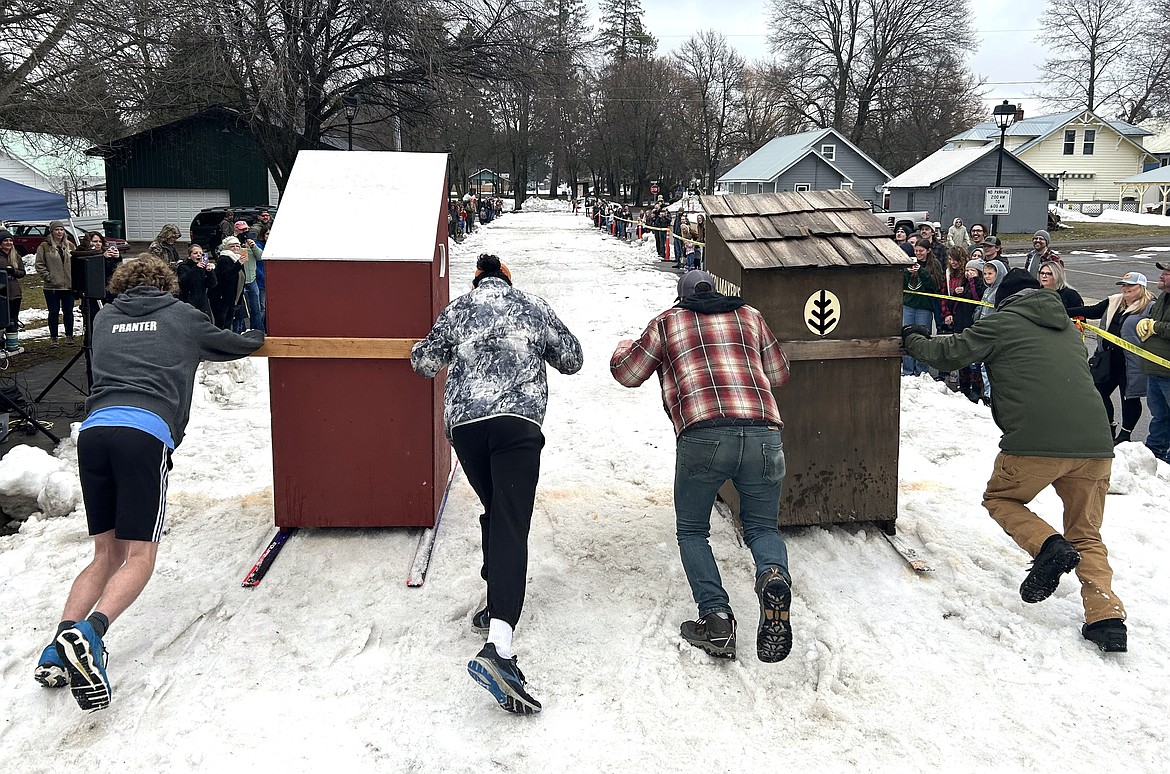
205	225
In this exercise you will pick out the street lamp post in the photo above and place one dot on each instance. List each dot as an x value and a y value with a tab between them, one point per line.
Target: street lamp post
1004	115
351	103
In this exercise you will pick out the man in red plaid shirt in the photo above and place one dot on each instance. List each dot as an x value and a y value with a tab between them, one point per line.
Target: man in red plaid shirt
718	363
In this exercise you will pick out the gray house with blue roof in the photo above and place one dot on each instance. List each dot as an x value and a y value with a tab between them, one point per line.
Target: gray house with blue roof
818	160
1080	153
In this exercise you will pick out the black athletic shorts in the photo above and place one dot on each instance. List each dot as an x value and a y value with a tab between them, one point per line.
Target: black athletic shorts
123	481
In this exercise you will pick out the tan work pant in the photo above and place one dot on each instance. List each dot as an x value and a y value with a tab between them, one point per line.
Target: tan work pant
1081	485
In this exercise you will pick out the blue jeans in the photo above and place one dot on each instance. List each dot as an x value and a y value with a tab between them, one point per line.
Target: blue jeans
912	316
1158	401
248	314
753	459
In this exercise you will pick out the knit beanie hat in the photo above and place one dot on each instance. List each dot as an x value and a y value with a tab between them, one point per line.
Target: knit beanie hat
56	224
1042	234
5	234
975	264
1013	282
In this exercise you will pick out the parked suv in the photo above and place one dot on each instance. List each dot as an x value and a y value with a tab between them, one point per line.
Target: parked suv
27	235
205	225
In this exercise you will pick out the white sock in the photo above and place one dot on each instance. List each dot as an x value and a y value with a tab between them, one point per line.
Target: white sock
500	635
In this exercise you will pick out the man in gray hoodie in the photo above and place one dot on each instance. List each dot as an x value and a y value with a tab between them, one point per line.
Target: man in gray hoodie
147	345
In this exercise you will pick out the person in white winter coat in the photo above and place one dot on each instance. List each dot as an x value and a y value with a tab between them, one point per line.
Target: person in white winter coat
957	235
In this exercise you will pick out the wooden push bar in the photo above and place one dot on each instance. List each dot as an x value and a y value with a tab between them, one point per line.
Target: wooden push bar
842	349
334	348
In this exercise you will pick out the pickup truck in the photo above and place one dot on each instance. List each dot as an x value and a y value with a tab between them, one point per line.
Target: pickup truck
910	221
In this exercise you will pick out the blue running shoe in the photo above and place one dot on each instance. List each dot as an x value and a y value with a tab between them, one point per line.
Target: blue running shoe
50	671
504	681
85	659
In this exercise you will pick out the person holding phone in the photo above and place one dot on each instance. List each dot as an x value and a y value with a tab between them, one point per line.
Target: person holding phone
196	276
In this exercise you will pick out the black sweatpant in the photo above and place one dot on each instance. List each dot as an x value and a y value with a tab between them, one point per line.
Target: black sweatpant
501	459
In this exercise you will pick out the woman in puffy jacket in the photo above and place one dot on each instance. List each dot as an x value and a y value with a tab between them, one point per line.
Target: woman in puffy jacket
53	265
1114	368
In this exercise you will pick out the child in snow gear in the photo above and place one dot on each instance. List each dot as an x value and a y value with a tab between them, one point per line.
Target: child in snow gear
728	428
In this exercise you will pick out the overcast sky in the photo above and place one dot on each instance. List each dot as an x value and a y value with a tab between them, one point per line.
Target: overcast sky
1008	54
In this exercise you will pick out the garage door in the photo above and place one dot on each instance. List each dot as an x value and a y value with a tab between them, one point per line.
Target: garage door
149	209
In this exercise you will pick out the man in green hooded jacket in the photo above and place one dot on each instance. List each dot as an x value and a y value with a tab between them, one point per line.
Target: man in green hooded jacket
1054	433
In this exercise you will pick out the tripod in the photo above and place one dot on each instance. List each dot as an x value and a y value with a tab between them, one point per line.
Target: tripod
89	307
16	406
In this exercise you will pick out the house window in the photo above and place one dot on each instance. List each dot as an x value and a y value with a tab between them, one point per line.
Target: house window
1070	141
847	186
1090	140
802	187
829	152
759	187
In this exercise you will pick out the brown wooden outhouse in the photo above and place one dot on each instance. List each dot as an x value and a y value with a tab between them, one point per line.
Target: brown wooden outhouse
827	277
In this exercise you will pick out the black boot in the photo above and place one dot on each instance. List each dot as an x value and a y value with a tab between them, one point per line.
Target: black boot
1121	437
712	633
1109	635
1057	556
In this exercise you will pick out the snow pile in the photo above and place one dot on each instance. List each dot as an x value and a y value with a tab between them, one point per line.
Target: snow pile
536	204
1112	216
32	481
891	671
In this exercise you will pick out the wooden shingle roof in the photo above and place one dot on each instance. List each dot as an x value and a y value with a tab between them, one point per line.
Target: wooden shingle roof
801	229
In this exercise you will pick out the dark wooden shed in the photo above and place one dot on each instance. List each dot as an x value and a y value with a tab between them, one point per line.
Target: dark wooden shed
827	277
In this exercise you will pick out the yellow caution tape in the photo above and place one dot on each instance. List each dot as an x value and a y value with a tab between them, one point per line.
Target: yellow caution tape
667	229
1082	326
1127	346
948	298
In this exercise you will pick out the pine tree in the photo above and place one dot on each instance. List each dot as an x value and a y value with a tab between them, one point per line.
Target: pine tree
622	35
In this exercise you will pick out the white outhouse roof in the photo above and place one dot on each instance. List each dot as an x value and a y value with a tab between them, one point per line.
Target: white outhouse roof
360	206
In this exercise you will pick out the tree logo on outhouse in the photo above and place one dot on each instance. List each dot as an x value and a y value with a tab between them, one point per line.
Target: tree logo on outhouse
822	312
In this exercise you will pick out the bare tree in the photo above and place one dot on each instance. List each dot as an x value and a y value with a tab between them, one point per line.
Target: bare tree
1145	71
842	54
1089	40
712	76
34	31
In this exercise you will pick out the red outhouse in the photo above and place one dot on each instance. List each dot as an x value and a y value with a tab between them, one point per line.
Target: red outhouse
355	271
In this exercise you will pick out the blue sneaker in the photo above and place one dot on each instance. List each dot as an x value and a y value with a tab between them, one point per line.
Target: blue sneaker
50	671
503	679
85	658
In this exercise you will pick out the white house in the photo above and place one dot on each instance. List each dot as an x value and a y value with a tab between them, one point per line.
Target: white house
57	164
1083	154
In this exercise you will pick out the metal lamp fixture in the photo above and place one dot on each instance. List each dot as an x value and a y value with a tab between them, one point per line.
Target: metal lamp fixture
1004	115
350	103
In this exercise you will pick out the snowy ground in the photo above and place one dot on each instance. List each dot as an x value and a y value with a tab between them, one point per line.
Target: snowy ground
1113	216
333	664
